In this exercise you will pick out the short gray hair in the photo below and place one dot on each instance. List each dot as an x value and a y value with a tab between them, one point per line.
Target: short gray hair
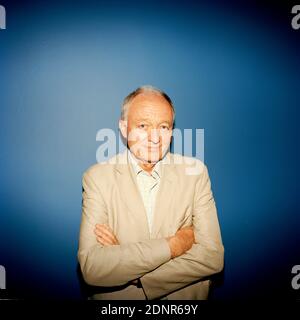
144	89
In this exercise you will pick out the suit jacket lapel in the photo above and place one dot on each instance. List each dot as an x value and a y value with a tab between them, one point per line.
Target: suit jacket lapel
130	194
164	196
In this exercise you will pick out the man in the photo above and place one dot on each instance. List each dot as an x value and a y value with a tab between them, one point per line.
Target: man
149	225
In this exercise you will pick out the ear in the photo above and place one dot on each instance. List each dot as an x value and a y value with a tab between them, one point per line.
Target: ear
123	128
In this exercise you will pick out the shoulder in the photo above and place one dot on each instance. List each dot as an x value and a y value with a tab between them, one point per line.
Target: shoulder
103	169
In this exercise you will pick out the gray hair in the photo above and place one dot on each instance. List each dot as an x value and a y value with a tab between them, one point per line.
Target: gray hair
144	89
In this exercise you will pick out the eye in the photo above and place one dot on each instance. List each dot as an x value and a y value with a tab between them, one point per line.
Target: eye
163	127
142	126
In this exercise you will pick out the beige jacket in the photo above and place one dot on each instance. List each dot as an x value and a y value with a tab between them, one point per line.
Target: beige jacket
111	196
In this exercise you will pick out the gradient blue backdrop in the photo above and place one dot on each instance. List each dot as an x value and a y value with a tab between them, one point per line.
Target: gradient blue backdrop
232	69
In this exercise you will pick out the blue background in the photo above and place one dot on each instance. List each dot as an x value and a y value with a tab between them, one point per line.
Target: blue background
231	68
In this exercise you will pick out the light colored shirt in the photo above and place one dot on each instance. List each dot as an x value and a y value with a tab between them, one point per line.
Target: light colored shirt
148	185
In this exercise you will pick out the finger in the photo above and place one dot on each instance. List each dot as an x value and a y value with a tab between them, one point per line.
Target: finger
103	228
102	241
106	227
101	234
98	231
99	240
109	234
105	241
100	226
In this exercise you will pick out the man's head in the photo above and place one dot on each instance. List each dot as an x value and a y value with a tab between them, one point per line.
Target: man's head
146	122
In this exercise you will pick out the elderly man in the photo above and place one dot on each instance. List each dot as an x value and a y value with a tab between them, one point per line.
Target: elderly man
149	226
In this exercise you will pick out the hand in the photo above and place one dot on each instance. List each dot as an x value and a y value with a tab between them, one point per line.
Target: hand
105	236
181	242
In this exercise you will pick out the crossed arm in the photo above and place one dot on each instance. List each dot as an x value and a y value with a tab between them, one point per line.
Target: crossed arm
162	265
179	243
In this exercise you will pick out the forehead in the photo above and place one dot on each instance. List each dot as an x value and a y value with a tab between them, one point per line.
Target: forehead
149	106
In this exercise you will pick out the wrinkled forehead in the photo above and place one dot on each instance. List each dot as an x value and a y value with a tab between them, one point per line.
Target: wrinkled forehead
151	107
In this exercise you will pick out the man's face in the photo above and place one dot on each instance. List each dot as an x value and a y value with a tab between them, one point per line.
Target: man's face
149	127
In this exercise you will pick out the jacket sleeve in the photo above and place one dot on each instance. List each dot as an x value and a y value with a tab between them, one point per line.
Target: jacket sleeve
202	260
112	265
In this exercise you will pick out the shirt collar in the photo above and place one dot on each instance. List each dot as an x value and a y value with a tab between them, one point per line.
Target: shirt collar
137	169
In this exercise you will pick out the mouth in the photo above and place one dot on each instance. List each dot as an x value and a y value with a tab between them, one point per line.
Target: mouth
153	148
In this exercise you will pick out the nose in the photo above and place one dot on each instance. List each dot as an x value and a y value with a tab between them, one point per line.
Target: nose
154	136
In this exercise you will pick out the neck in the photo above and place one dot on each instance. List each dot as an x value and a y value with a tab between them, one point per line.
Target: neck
146	166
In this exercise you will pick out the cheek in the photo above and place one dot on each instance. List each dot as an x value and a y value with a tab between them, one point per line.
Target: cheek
166	137
136	135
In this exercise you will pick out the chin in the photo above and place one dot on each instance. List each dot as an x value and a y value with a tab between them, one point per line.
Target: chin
153	157
150	156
